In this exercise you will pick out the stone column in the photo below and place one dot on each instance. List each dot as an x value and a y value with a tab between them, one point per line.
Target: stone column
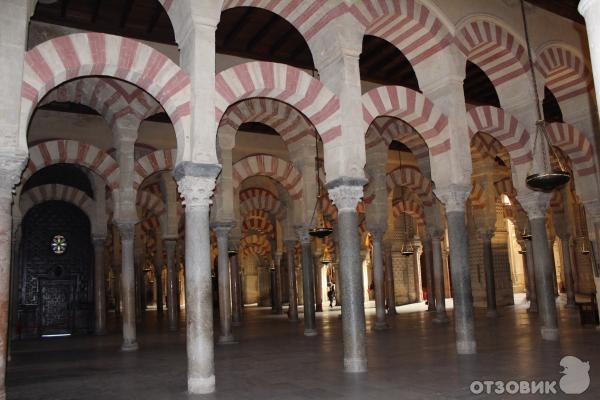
437	236
427	251
196	183
533	306
378	278
454	201
390	287
222	232
236	298
345	193
565	241
535	205
99	290
10	169
138	275
158	264
318	281
293	293
308	292
172	285
490	278
127	231
277	306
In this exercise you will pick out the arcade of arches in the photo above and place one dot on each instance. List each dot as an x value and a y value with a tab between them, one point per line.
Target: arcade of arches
175	176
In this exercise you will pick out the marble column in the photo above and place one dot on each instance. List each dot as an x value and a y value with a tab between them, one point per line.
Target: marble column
222	232
533	305
490	278
553	264
536	211
277	305
318	282
389	280
345	194
378	278
454	200
127	230
438	275
293	293
236	299
427	252
565	241
196	183
172	285
158	265
308	292
138	274
99	287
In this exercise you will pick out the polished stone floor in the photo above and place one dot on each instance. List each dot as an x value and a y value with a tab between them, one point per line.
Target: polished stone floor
414	359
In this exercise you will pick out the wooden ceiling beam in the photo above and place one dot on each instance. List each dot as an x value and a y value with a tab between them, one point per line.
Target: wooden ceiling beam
158	10
262	32
125	13
237	27
97	5
281	40
63	8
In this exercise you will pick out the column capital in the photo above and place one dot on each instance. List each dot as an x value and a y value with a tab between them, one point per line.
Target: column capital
11	167
377	232
345	192
290	244
302	233
126	229
436	233
584	6
223	228
196	183
486	233
98	240
535	204
454	196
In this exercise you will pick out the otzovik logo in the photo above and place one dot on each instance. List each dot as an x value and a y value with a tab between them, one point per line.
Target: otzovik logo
575	380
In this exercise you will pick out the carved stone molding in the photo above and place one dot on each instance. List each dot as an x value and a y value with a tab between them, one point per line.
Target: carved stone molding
454	197
345	193
535	204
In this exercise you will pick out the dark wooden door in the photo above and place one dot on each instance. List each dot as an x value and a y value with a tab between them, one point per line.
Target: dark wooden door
56	263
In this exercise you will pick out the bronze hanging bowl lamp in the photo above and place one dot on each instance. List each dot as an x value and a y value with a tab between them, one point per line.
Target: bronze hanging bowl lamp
546	179
319	230
525	234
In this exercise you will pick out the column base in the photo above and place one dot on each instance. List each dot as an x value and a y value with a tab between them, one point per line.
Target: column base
491	313
441	319
2	394
201	385
228	339
293	319
236	323
431	308
466	347
319	308
310	332
392	311
532	309
381	326
355	365
129	346
173	328
100	332
549	334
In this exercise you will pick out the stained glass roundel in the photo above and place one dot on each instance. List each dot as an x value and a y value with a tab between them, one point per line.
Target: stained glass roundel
59	244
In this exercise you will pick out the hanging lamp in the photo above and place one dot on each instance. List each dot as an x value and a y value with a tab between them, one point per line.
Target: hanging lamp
547	179
525	234
585	250
320	230
407	247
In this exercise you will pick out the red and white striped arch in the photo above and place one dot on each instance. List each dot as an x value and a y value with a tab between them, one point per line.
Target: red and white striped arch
565	74
289	123
493	48
255	244
73	152
412	27
413	179
83	54
260	199
486	146
54	191
410	207
575	145
413	108
273	167
308	17
385	129
113	99
501	186
284	83
503	127
157	161
150	202
257	221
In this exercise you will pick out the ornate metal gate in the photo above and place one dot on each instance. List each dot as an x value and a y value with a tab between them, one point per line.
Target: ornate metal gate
55	274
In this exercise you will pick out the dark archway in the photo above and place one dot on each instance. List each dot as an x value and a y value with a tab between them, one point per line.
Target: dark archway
55	275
